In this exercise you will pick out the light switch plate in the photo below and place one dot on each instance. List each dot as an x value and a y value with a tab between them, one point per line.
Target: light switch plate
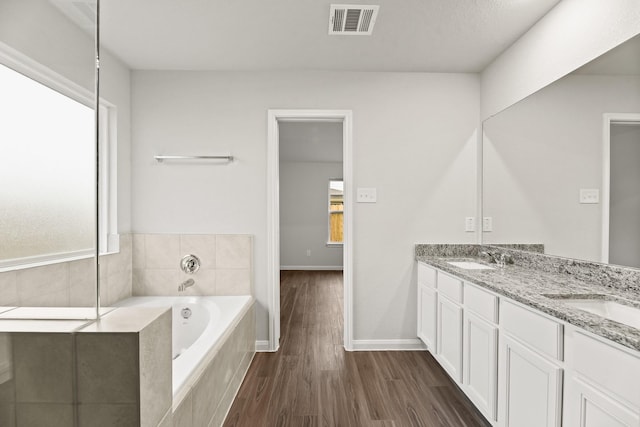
366	195
470	223
589	196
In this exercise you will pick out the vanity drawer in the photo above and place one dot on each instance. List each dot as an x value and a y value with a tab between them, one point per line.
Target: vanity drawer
538	331
426	275
613	369
481	302
450	286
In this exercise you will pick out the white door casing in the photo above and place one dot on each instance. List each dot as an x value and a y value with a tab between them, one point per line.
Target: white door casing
273	214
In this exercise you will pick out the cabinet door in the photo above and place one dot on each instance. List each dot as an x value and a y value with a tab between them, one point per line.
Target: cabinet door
530	387
585	406
427	316
480	363
449	337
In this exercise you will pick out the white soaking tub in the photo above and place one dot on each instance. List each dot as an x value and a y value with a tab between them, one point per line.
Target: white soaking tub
200	326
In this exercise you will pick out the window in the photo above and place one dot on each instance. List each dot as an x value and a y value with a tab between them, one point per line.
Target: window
48	169
336	211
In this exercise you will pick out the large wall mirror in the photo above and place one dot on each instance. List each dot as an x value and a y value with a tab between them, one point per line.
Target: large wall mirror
47	139
562	167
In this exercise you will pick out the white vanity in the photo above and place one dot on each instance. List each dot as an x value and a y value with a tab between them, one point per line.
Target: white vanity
520	366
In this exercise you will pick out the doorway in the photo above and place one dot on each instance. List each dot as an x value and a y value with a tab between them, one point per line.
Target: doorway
621	190
285	120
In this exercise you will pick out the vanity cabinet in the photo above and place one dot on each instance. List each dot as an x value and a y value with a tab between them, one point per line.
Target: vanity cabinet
529	371
480	349
602	384
522	367
449	325
449	337
530	389
427	306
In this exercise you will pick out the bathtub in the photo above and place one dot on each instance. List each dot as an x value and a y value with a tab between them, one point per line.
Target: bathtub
201	324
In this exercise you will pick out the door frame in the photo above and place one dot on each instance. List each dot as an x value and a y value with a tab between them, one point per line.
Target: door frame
609	119
273	213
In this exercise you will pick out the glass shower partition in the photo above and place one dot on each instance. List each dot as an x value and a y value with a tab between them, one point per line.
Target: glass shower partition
49	156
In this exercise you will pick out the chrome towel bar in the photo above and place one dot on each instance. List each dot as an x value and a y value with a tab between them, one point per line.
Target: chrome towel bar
161	159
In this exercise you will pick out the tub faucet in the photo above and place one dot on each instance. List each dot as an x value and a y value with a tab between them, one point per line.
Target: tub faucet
186	284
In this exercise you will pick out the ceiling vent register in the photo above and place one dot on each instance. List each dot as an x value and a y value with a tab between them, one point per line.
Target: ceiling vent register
352	19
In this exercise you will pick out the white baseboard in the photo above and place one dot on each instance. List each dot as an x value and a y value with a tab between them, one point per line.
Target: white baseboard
388	345
367	345
312	267
262	345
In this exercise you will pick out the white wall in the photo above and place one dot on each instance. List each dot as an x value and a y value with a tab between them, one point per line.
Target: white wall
304	198
569	36
415	140
539	153
40	31
115	87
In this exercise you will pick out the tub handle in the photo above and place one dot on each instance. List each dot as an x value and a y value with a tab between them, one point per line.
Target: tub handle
190	263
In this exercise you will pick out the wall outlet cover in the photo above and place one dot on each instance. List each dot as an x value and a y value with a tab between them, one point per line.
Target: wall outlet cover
366	195
470	223
589	196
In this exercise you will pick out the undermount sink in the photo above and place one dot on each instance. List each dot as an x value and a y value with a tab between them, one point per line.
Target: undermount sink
611	310
469	265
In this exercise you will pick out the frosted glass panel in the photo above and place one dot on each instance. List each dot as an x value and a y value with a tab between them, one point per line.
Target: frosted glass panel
47	170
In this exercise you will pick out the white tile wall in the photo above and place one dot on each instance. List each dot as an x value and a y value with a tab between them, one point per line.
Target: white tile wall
43	286
71	283
226	264
233	251
147	264
115	372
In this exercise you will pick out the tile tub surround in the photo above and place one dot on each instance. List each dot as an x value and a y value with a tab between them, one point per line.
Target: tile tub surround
226	264
70	284
208	400
116	371
528	284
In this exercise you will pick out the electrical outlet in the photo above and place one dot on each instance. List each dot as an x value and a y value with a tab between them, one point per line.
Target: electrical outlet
487	223
470	223
366	195
589	196
308	252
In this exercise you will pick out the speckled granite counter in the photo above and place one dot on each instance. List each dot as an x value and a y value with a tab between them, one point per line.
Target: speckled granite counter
529	286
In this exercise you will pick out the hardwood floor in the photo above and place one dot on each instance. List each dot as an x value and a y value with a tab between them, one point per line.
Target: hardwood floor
312	381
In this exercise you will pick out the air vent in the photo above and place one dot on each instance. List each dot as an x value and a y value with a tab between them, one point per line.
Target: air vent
352	19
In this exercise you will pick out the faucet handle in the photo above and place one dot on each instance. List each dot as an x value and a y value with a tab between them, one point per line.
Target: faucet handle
492	257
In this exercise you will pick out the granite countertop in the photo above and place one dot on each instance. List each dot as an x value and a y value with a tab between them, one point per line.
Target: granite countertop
529	286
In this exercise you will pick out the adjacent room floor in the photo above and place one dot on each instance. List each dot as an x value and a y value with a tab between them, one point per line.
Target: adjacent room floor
312	381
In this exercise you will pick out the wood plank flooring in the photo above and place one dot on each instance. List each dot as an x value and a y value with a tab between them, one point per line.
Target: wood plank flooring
312	381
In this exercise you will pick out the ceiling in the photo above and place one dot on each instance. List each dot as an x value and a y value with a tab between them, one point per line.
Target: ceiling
310	141
409	35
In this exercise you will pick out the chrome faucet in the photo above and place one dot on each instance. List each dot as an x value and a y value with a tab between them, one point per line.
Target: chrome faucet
492	257
186	284
500	259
